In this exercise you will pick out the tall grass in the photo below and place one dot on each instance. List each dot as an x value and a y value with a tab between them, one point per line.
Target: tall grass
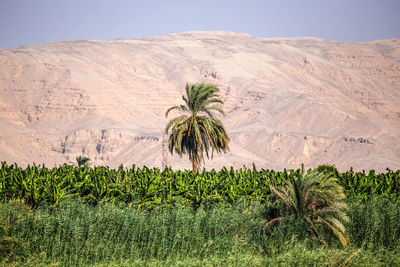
79	234
375	224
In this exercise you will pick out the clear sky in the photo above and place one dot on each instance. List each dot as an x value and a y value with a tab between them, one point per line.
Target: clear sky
33	22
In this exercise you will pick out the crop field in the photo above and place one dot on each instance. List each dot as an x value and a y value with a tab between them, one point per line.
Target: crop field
141	216
146	188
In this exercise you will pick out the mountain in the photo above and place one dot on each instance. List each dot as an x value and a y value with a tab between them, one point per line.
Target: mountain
288	100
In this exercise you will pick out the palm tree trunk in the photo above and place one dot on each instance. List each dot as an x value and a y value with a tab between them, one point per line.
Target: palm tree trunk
194	158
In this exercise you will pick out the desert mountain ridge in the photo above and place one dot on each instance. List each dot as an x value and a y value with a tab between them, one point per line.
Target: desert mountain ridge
288	100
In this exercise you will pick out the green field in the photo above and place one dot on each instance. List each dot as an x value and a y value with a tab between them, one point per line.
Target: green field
100	216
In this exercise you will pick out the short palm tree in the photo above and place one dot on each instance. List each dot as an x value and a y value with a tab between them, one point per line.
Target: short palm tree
82	161
197	129
316	198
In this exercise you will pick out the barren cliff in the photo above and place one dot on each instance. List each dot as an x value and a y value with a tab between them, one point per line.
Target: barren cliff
288	101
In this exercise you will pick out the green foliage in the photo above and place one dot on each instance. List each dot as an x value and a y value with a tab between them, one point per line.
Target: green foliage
83	234
82	161
198	130
375	224
106	234
148	188
363	186
10	247
315	198
7	243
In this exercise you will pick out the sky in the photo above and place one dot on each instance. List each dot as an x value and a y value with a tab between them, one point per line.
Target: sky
34	22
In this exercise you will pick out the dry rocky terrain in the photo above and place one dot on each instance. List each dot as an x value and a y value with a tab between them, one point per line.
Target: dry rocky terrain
288	101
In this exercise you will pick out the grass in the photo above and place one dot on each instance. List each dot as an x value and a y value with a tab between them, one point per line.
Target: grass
76	234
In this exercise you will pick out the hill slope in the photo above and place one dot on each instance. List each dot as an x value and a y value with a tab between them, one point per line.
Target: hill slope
288	101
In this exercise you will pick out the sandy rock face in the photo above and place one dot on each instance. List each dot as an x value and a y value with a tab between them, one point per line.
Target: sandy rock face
288	101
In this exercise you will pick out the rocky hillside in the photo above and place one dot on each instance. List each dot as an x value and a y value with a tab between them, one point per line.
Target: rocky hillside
288	101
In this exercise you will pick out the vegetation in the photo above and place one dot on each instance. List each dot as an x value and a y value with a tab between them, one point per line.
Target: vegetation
198	130
8	245
138	216
148	188
82	161
318	199
82	234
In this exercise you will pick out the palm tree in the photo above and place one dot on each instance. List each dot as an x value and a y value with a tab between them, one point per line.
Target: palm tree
82	161
197	129
316	198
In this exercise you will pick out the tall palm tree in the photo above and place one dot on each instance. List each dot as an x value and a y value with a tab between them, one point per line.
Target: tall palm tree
316	198
197	129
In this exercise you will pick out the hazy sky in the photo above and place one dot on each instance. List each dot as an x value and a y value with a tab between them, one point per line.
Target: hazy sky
33	22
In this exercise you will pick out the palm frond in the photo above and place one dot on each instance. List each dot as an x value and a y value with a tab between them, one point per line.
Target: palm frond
318	198
272	222
280	195
339	231
175	122
172	108
216	108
